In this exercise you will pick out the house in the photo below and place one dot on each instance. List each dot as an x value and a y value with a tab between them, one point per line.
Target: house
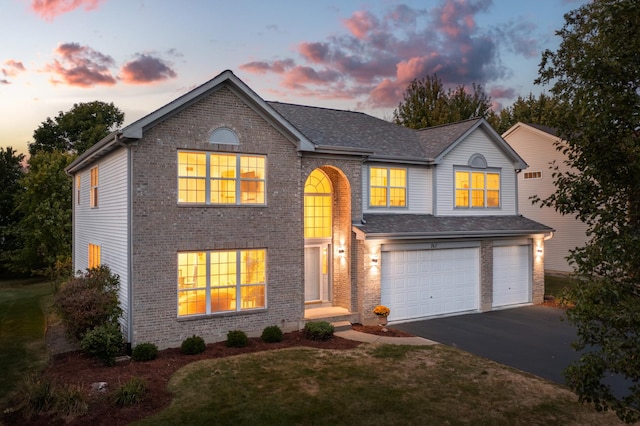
221	211
537	144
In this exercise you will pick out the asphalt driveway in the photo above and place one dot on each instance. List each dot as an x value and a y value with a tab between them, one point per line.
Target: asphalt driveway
536	339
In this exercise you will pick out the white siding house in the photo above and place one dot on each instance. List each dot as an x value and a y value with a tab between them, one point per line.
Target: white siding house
536	144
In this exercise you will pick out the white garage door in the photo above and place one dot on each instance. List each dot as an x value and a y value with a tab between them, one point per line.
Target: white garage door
511	275
422	283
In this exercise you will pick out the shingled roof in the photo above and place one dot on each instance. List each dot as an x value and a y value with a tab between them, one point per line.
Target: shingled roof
436	139
425	225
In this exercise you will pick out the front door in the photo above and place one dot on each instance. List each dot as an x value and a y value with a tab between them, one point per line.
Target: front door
316	274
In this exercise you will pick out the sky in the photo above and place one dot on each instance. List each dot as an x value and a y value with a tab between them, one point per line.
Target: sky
357	55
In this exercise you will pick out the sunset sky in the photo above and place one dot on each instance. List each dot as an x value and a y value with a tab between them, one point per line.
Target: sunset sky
360	55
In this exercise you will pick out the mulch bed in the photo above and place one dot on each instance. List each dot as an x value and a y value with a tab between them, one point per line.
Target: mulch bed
77	368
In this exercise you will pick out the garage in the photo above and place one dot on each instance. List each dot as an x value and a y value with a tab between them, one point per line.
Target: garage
511	275
423	283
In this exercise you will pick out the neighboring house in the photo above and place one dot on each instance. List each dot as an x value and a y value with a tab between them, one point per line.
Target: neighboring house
537	145
221	211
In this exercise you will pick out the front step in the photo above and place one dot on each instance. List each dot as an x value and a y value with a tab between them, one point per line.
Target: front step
341	325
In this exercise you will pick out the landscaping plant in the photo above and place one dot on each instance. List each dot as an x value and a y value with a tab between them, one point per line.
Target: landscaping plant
104	342
144	352
318	330
193	345
271	334
237	339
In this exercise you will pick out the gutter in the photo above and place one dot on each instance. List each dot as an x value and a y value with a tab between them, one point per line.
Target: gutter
361	235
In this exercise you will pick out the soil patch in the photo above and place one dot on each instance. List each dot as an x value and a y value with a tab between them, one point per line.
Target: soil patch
77	368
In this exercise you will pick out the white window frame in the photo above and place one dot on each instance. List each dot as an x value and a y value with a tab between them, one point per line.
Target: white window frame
470	205
93	189
389	187
238	285
237	179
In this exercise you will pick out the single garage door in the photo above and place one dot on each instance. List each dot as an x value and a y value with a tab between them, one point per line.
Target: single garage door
511	275
422	283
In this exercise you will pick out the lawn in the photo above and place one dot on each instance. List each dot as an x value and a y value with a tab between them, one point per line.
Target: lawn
554	285
22	328
386	385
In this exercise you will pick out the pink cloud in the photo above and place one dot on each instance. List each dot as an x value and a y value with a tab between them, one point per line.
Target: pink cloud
12	68
503	92
361	23
378	55
80	66
50	9
146	69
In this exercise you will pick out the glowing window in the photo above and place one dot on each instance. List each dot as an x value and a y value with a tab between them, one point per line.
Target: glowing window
387	187
210	282
94	256
477	189
93	191
317	206
209	178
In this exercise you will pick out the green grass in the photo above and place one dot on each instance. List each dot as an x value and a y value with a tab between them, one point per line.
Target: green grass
22	328
555	285
379	385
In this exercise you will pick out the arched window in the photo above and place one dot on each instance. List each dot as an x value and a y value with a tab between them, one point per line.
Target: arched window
224	136
317	205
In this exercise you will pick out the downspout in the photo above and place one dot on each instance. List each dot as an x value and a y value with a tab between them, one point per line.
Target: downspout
129	248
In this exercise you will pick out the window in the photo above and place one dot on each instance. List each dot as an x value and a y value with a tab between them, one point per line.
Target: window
78	189
93	192
94	256
477	189
532	175
211	178
387	187
317	206
221	281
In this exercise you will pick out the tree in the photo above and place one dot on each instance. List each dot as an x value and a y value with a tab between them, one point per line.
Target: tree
77	129
544	109
426	104
11	171
596	70
45	209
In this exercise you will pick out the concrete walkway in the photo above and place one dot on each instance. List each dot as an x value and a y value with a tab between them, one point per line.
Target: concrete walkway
374	338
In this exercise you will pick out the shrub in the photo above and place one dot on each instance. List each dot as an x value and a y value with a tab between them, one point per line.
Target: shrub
34	395
193	345
271	334
104	342
320	330
144	352
237	339
132	392
87	301
70	401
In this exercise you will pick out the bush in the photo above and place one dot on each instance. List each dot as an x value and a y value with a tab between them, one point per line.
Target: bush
144	352
70	401
193	345
87	301
237	339
38	396
132	392
104	342
320	330
271	334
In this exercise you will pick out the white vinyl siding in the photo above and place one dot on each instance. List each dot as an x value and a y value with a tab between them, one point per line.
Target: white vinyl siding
105	226
419	191
538	150
497	160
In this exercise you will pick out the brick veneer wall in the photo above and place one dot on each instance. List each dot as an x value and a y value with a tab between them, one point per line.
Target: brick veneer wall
161	227
486	275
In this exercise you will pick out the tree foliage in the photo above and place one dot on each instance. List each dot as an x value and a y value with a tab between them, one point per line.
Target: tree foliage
596	70
78	129
544	109
11	172
45	209
426	104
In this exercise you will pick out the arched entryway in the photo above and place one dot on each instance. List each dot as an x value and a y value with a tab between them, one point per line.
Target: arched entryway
327	240
318	233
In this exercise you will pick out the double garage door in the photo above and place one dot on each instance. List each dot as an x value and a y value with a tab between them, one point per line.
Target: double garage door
424	283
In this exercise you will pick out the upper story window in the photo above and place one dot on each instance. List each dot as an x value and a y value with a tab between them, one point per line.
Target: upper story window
317	205
78	188
221	179
221	281
93	191
532	175
477	189
387	187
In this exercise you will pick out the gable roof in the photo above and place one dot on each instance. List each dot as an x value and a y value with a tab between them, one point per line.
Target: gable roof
438	141
547	132
413	226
